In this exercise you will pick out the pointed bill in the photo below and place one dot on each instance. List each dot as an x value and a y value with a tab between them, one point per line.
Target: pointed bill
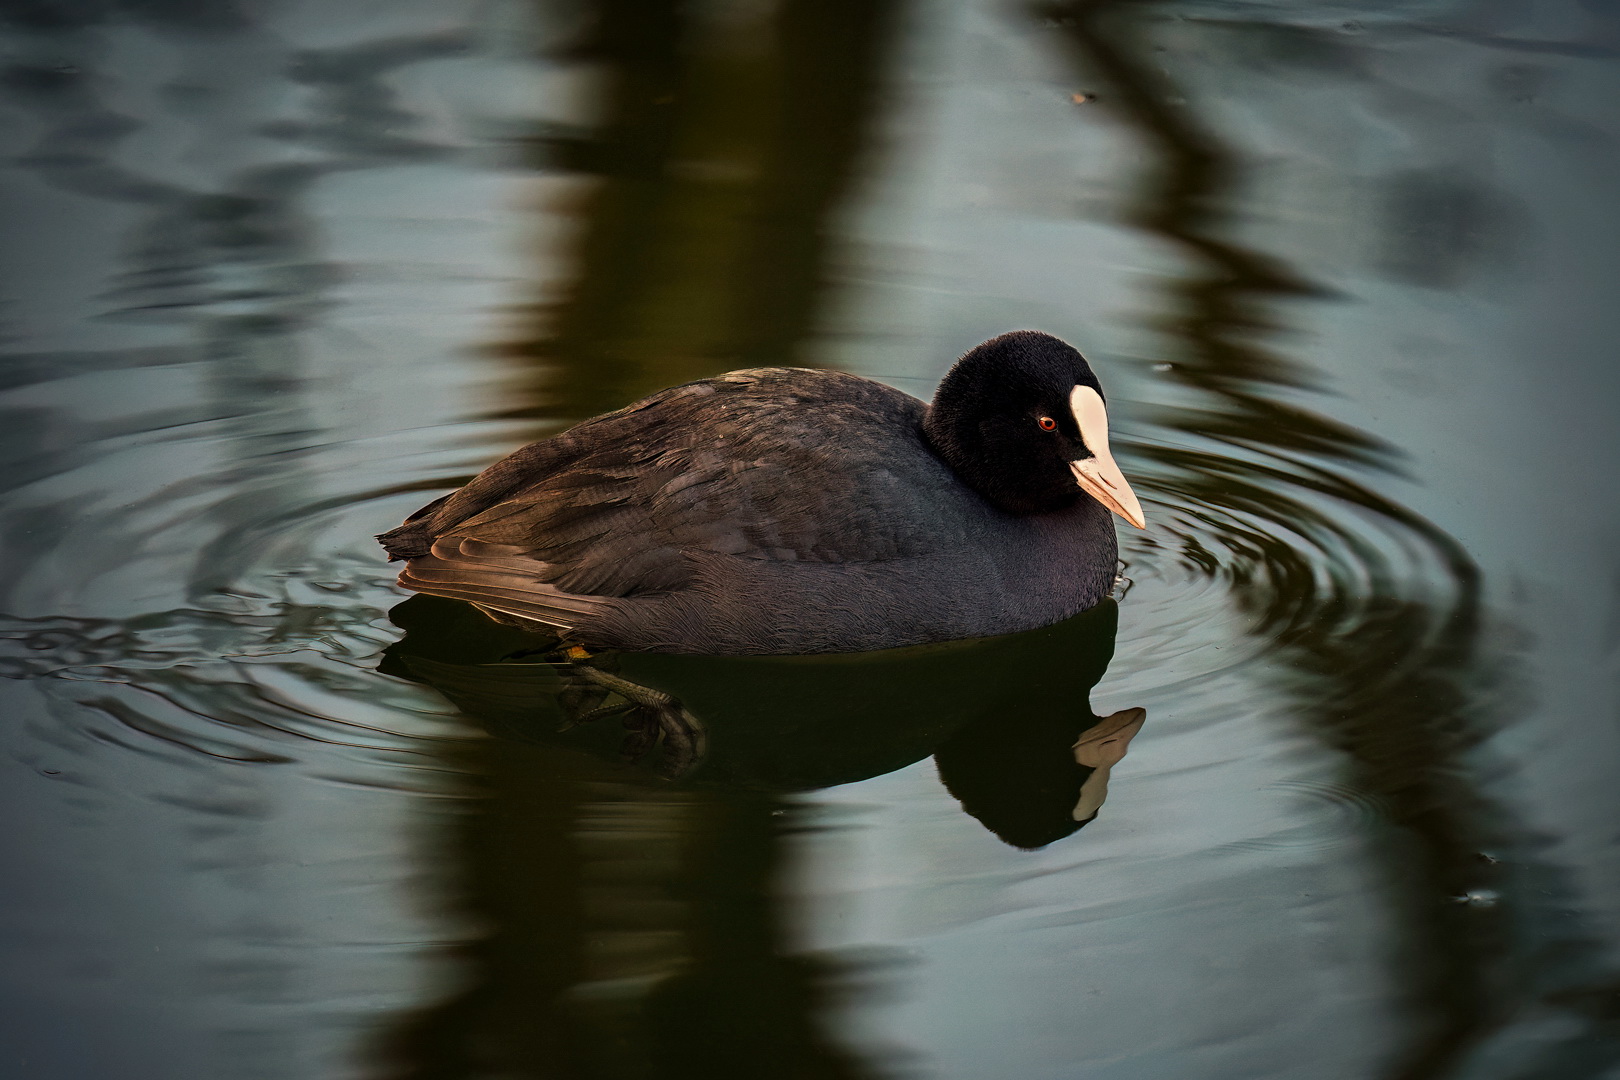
1098	475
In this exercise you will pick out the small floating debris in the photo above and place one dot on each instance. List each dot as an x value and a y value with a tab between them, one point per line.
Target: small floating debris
1082	99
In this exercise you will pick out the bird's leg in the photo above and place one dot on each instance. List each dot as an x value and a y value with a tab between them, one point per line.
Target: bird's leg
581	700
659	714
648	714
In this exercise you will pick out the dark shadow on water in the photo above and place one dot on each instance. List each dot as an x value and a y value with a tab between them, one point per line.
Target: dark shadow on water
633	925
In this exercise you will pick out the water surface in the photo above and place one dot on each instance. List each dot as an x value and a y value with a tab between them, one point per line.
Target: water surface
275	274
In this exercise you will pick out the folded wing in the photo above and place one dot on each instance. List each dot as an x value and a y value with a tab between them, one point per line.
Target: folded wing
783	465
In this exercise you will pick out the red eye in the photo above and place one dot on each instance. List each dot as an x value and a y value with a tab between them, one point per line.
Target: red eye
1048	424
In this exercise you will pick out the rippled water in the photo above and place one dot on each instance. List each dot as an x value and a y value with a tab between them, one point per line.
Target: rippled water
274	273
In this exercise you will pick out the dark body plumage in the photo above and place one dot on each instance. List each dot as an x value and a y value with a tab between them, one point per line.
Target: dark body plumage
777	510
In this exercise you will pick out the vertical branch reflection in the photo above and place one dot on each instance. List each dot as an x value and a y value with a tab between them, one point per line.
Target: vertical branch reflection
1387	673
629	933
631	928
732	131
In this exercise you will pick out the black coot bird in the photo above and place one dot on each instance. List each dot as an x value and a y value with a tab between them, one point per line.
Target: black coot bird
789	510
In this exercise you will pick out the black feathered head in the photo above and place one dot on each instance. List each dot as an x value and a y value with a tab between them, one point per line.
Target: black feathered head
1022	420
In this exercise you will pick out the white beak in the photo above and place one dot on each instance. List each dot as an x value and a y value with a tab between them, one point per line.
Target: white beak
1097	475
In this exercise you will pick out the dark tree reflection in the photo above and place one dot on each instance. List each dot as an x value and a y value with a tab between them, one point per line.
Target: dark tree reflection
728	140
629	933
631	930
1380	629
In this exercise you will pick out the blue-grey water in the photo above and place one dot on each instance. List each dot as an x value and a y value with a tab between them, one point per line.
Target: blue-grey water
274	273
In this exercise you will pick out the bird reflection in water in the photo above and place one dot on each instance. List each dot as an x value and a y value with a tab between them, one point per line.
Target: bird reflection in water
635	924
1006	718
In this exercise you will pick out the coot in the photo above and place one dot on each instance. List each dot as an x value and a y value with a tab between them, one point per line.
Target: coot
790	510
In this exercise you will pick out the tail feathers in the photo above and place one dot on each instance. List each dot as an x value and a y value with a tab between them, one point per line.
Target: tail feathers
414	537
510	585
408	541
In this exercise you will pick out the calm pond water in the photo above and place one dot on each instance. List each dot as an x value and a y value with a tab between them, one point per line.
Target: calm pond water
274	273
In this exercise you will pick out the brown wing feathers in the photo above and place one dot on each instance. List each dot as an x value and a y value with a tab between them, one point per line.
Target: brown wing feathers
619	506
498	576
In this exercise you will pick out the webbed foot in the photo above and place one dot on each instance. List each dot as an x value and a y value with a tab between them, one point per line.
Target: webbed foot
650	716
